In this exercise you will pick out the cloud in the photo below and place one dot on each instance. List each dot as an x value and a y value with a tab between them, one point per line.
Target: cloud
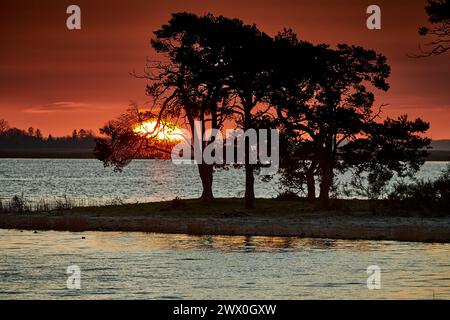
60	106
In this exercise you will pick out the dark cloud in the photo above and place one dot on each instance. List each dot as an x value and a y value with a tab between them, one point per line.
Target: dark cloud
63	106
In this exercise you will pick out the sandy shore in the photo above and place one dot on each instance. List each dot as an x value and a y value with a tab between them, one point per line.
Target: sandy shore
436	229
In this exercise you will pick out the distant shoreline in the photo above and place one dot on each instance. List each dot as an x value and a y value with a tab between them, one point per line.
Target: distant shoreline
354	219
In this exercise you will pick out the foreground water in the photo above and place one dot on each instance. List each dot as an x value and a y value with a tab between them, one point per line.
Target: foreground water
118	265
87	182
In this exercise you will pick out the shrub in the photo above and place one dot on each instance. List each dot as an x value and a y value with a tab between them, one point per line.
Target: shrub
288	195
18	204
433	195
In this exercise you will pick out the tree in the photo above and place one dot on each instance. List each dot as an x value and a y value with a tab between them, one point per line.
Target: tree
222	69
392	146
31	131
292	88
122	143
343	105
186	87
192	84
250	55
329	110
4	126
439	17
82	133
38	134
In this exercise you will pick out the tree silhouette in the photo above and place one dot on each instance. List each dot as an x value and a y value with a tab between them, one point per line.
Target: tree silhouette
439	17
4	125
292	88
336	109
217	69
329	109
38	134
122	144
382	149
186	87
250	56
192	86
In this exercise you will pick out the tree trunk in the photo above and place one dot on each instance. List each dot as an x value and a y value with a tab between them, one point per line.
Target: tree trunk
249	187
311	186
206	175
249	168
326	183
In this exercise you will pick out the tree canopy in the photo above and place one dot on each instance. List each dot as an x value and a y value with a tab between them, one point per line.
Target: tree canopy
438	12
223	72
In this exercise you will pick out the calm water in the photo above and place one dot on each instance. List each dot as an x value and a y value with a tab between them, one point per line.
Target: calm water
155	266
143	180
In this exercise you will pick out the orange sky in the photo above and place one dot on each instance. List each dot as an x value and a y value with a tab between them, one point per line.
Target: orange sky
58	80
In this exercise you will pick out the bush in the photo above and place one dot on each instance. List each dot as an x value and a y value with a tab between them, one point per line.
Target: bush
288	195
18	204
433	195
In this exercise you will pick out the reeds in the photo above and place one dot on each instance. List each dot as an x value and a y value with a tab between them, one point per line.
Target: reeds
19	204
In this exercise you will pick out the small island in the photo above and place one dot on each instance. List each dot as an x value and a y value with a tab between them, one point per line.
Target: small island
341	219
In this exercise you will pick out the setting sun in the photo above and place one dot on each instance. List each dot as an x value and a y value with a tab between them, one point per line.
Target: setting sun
165	131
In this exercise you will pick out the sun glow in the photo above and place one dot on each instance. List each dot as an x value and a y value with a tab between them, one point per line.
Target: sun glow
165	131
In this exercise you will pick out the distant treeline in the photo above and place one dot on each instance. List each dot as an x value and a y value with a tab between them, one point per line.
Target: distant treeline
30	143
32	138
16	142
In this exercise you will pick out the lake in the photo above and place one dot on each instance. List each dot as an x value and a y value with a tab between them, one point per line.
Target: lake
87	182
120	265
